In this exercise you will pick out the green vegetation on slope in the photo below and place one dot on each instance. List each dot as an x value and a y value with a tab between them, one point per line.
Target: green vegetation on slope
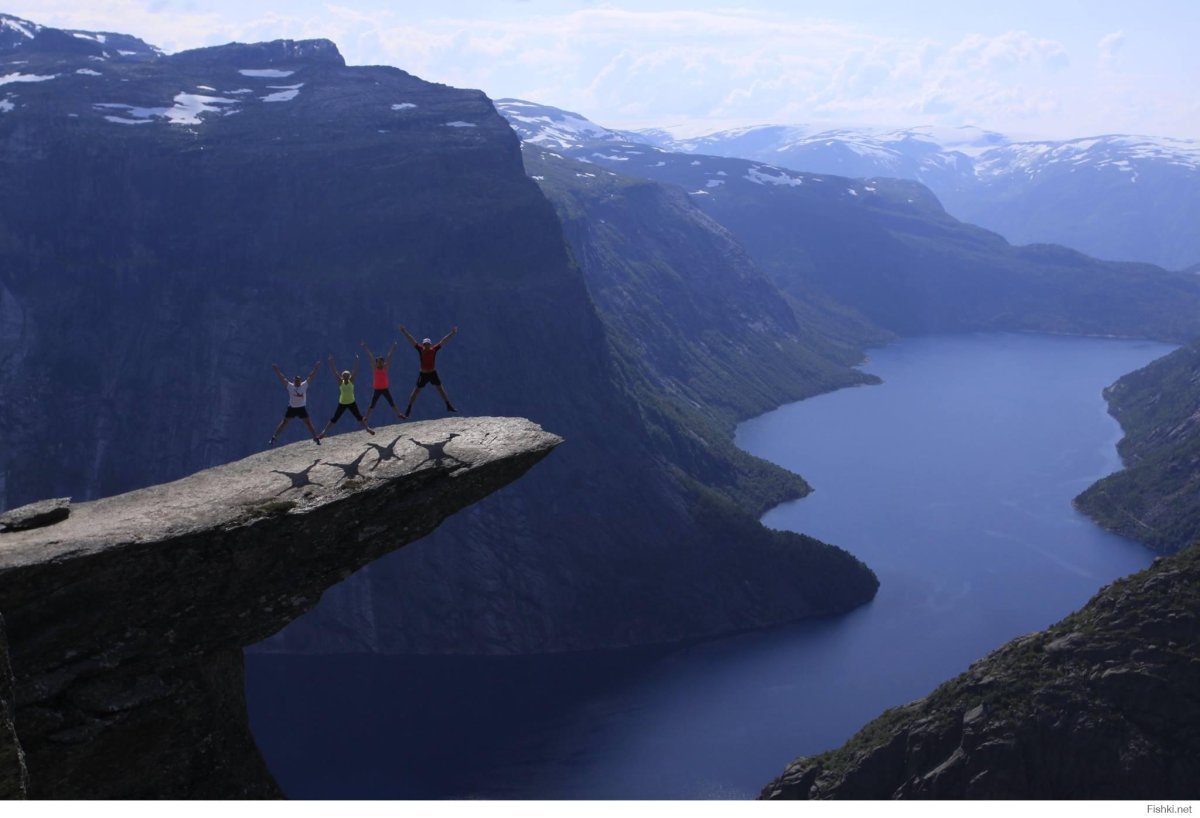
703	339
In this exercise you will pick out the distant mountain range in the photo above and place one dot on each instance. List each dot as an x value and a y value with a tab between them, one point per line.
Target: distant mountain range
880	245
1117	197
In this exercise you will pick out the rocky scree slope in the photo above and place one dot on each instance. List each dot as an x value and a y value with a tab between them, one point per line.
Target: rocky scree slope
1155	499
1104	704
126	621
171	224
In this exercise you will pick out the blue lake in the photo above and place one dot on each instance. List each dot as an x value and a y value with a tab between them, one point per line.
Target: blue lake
953	480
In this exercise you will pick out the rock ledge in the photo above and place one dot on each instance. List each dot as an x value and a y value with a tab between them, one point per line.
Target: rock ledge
126	621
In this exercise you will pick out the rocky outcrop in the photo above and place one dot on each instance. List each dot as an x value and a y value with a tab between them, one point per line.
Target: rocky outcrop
1104	704
172	224
126	620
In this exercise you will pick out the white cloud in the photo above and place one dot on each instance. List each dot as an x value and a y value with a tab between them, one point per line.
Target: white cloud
1110	49
626	67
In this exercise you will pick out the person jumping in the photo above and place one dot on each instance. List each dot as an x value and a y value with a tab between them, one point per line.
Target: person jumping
428	374
297	390
345	396
381	381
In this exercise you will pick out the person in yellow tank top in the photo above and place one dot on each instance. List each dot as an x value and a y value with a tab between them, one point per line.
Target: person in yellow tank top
346	401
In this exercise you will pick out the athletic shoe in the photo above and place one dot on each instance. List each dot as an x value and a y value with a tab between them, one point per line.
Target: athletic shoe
317	440
450	408
270	443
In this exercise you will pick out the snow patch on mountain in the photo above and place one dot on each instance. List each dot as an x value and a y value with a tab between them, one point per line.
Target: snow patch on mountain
18	77
22	27
763	175
186	110
552	127
265	72
286	93
403	106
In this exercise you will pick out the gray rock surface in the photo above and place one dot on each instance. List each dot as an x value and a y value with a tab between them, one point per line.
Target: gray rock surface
1104	704
126	621
36	515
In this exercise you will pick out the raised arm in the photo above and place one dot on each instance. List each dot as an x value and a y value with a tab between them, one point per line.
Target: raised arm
316	368
333	369
449	335
279	374
367	349
354	369
408	335
391	352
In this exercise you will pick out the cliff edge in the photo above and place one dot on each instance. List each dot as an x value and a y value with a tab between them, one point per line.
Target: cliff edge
125	621
1105	704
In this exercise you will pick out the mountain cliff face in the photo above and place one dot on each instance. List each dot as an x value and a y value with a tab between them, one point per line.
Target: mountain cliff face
713	340
170	225
14	779
1101	705
126	620
887	248
1156	498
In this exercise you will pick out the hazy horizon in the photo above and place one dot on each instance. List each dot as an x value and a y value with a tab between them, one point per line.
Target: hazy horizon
1022	69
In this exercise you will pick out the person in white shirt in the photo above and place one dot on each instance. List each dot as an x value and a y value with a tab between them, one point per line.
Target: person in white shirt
297	390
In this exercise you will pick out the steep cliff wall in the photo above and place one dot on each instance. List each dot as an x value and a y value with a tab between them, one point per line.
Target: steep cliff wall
1104	704
1155	499
126	621
170	225
13	777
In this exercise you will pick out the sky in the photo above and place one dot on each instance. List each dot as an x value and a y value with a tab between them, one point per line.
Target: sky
1047	69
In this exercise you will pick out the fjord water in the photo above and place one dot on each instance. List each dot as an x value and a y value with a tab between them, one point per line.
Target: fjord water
953	480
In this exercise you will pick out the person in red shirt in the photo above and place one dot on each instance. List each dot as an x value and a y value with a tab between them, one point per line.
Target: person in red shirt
428	374
381	380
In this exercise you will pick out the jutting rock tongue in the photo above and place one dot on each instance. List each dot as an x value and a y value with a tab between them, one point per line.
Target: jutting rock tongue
127	619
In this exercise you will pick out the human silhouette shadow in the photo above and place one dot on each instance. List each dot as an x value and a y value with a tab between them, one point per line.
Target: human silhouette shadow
350	469
387	452
298	478
437	451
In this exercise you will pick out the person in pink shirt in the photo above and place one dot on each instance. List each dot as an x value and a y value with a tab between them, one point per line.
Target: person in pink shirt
380	382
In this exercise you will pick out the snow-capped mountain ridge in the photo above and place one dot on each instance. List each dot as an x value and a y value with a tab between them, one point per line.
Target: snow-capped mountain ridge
1115	196
24	35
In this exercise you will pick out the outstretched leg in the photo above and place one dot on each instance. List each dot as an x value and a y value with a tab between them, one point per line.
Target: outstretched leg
337	414
387	394
278	429
416	391
446	398
353	407
312	429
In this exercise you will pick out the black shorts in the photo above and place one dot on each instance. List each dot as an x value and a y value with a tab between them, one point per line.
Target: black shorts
428	377
382	393
352	408
296	412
